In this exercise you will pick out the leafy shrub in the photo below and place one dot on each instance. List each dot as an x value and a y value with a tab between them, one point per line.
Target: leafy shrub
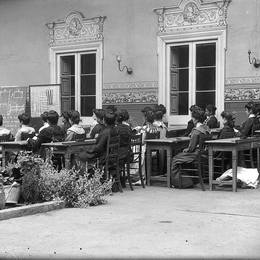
40	181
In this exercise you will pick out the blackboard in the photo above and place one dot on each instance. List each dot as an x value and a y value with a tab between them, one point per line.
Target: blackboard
13	101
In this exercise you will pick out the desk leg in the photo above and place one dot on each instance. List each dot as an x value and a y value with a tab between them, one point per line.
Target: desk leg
3	157
234	169
210	167
67	160
148	164
258	159
169	159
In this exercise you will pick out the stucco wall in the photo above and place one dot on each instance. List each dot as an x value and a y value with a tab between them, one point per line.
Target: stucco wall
129	30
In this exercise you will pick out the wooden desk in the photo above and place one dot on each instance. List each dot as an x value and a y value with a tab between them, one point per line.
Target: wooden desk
169	145
233	145
68	148
12	147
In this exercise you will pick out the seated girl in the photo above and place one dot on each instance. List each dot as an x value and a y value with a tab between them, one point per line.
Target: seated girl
228	130
24	120
65	118
144	111
190	124
99	149
247	127
190	153
44	117
98	115
158	122
75	129
49	134
4	131
211	120
125	133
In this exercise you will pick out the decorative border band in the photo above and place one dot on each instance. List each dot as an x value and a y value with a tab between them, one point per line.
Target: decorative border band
142	92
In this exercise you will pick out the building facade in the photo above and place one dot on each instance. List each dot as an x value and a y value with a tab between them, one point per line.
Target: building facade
181	52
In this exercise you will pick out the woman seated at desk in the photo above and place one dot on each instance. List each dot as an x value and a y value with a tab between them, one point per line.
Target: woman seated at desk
52	133
211	120
189	154
4	131
228	130
76	129
24	120
99	149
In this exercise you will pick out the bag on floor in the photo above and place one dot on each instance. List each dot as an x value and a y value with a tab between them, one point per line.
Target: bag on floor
185	182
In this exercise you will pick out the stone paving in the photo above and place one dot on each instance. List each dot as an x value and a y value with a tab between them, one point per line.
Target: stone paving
154	222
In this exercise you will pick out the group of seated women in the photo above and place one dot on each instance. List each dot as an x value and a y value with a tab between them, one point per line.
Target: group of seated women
111	122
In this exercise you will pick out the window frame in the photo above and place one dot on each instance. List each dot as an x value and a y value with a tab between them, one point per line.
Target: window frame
163	49
95	47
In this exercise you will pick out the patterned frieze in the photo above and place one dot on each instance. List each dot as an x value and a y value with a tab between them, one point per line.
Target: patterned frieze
130	92
192	15
242	89
75	28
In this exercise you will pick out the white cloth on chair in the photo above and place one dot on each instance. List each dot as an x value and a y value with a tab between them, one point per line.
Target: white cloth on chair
248	176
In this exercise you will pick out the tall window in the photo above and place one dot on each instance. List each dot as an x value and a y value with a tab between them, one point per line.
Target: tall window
192	77
77	76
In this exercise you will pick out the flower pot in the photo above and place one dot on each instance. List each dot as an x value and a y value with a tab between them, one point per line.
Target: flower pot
2	197
12	193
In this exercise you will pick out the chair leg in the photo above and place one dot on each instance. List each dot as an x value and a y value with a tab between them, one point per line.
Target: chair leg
140	171
118	178
128	175
180	178
201	178
252	159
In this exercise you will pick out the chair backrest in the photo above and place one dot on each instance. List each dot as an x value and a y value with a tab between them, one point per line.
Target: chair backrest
202	139
79	137
136	143
25	136
155	135
112	153
5	138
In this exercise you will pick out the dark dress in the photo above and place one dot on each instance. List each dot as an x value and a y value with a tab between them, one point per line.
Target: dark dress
98	128
125	133
189	128
99	149
226	132
190	155
52	133
247	127
212	122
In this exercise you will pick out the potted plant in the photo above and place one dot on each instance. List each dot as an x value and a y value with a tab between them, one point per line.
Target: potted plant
11	183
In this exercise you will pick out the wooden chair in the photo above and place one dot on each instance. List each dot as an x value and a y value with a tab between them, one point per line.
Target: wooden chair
112	159
5	138
25	136
135	157
155	135
195	169
79	137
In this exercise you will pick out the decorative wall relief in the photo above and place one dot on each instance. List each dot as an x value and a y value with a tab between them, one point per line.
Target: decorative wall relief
242	89
192	15
130	92
75	29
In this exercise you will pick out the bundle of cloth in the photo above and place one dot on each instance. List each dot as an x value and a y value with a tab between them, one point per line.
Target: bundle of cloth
248	176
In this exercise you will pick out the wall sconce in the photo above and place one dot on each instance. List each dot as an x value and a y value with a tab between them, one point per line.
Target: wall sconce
254	61
128	70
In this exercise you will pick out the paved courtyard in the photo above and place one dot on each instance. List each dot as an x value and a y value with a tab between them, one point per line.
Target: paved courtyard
152	222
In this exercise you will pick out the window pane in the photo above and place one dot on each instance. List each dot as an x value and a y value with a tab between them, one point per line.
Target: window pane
88	85
67	65
206	54
205	79
67	103
88	63
87	105
205	98
180	56
68	86
179	103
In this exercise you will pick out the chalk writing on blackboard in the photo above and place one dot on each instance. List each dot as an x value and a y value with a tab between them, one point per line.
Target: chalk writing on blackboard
12	103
